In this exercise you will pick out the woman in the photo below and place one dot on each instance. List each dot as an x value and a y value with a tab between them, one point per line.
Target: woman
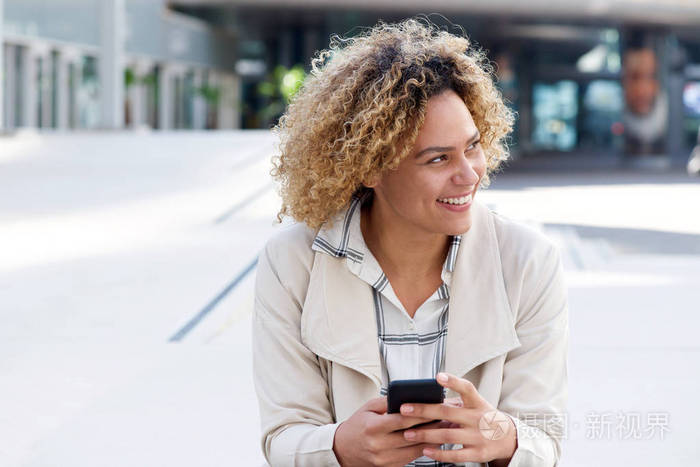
396	271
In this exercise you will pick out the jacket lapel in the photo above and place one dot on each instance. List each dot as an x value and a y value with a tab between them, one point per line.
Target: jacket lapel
338	321
481	325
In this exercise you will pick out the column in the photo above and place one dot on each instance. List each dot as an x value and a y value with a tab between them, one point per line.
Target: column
2	69
111	65
199	104
63	91
46	107
67	89
164	99
9	94
29	87
212	118
229	103
132	98
75	64
138	95
674	60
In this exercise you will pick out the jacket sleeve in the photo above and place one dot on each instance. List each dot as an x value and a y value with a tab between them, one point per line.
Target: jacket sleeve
534	392
296	417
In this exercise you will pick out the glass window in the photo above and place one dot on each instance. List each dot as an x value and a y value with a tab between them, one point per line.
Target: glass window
555	108
691	107
89	94
601	119
583	49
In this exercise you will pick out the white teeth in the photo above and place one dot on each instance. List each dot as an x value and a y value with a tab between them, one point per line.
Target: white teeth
462	200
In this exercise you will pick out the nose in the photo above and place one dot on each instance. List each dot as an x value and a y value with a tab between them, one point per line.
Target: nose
467	171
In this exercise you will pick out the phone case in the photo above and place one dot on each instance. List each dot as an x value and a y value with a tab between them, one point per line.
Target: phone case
423	391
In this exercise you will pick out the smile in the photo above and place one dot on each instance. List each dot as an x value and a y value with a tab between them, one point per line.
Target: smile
457	201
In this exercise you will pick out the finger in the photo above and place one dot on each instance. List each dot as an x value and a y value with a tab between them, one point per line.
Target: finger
465	388
468	454
403	456
438	412
395	440
448	424
432	425
395	421
441	436
376	405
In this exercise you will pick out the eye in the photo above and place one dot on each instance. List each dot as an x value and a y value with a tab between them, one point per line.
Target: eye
431	160
474	145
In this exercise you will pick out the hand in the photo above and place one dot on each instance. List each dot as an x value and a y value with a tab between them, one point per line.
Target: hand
470	427
373	437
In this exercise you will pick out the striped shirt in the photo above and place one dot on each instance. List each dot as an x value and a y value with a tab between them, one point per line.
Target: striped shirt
410	348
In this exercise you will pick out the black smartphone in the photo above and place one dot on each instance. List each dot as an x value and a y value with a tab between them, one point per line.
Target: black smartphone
422	391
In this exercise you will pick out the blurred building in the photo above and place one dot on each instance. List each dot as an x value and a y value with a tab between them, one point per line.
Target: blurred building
560	63
200	63
84	64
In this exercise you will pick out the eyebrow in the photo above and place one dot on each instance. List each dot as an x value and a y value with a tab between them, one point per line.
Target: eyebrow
475	136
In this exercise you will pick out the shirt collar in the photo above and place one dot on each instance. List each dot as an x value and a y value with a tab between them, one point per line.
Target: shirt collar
342	238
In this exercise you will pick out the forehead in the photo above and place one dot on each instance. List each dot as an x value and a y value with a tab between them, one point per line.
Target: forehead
447	113
636	60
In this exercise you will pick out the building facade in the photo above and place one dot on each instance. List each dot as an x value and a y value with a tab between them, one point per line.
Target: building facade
110	64
561	65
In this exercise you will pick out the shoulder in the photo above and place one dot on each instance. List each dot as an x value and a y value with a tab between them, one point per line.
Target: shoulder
531	264
286	259
284	268
290	247
519	242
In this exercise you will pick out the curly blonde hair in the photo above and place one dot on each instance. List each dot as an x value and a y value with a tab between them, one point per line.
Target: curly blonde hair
359	112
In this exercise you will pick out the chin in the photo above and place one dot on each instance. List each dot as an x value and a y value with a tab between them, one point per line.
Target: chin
462	227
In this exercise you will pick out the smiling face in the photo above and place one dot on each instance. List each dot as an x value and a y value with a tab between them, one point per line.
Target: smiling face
447	161
639	80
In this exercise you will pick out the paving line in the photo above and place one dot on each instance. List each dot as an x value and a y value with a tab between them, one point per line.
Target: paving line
183	331
236	207
249	160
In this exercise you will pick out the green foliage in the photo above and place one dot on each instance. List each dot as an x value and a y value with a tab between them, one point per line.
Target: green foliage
210	93
278	88
283	82
129	77
149	79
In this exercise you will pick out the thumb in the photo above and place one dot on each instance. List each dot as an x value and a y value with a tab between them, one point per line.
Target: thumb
454	401
377	405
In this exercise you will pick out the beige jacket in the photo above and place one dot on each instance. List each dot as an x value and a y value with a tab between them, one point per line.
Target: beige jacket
315	349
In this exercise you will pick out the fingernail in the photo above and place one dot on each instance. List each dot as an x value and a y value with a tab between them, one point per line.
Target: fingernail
409	434
407	408
428	451
442	377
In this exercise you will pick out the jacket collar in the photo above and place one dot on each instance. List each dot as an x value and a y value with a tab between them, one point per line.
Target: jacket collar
343	239
338	321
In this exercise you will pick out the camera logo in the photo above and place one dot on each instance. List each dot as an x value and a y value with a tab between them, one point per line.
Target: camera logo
494	425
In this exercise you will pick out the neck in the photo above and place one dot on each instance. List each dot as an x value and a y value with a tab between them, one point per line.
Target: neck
401	250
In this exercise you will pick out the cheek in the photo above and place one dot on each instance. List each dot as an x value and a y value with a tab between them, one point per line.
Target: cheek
480	168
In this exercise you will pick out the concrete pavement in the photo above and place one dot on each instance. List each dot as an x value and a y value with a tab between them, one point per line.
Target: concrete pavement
111	244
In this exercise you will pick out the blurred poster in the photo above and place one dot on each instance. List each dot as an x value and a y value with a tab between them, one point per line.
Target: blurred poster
646	104
691	98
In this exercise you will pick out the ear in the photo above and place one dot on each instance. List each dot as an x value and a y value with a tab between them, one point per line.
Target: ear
372	182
